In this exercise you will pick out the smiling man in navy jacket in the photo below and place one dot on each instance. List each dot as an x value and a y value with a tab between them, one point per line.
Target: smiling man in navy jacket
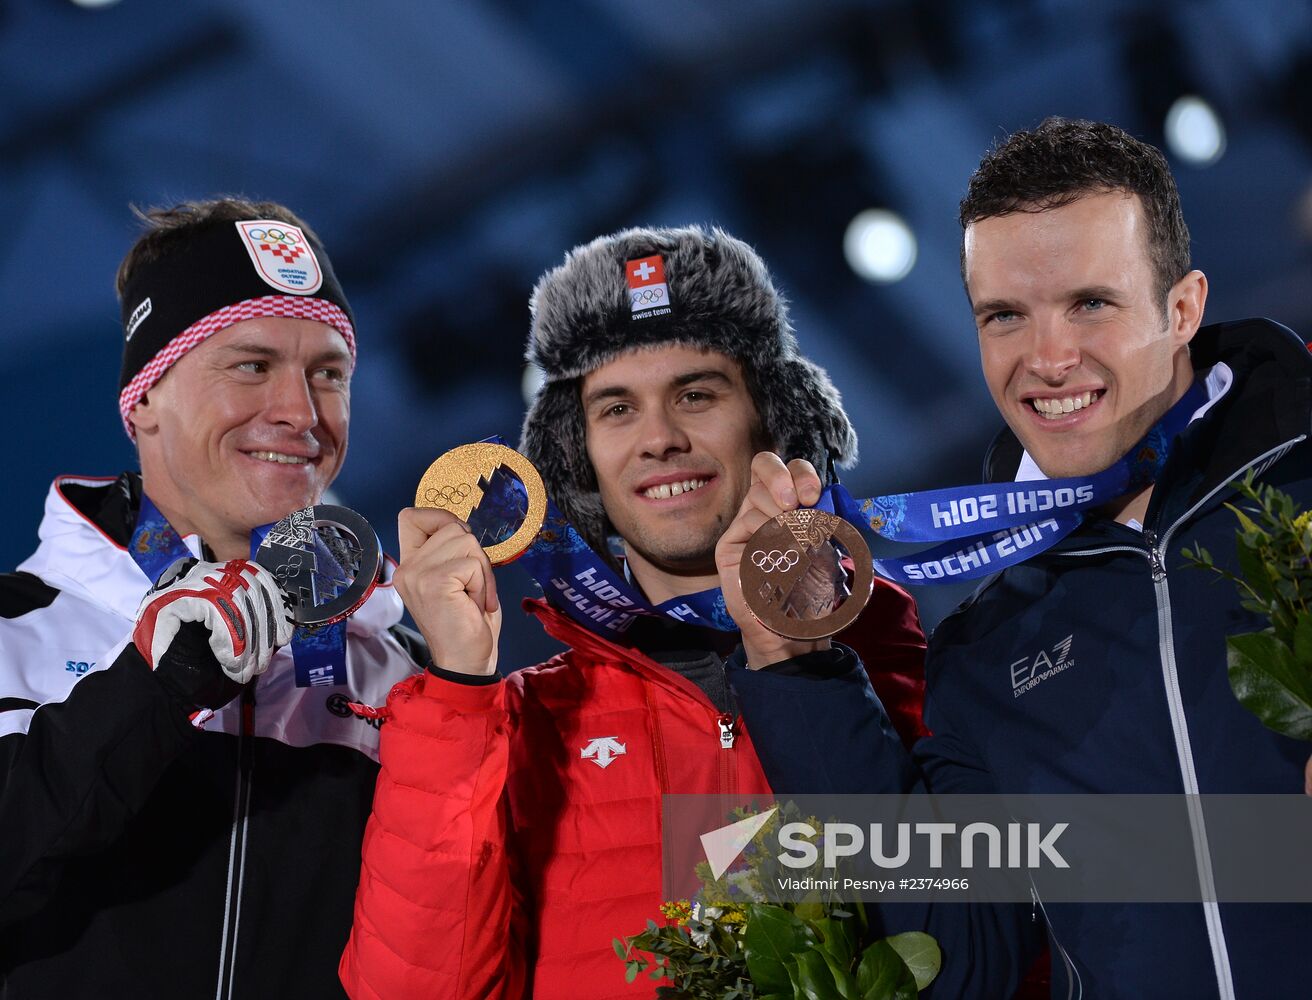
1075	257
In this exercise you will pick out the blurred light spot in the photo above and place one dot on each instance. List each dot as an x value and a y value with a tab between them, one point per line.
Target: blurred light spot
1194	131
532	381
880	247
89	4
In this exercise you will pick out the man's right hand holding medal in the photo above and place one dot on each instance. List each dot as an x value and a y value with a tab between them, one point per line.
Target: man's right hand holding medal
445	579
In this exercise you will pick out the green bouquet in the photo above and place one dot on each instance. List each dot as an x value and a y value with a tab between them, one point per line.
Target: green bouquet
733	945
1271	670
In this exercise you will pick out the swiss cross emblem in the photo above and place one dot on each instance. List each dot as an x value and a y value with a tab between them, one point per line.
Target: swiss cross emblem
282	255
649	294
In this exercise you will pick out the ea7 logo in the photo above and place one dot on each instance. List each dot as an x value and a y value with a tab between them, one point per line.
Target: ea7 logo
78	667
1028	672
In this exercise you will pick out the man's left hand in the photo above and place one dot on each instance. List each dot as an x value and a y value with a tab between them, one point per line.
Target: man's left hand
775	488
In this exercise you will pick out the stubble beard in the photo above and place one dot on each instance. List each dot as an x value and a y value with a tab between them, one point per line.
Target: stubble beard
678	550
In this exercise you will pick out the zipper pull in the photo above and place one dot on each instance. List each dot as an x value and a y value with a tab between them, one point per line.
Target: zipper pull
1155	557
727	735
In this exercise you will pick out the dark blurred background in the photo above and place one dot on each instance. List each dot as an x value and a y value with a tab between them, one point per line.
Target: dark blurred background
450	152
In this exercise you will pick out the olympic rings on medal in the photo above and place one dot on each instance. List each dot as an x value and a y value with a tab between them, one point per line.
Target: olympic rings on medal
456	481
445	495
774	560
806	574
326	559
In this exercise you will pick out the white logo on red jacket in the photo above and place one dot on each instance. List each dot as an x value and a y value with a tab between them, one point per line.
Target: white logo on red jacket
603	750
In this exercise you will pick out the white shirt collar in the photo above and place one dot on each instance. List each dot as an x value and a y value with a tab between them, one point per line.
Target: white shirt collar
1217	383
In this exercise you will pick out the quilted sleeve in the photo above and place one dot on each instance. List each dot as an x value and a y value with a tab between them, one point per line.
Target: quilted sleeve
436	912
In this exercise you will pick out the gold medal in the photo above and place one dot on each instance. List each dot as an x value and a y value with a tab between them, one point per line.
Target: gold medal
795	577
456	482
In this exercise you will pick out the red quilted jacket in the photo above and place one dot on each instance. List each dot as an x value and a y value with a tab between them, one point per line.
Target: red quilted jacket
501	862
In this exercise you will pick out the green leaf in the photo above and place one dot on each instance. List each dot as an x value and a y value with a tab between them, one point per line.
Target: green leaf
809	910
863	921
921	954
772	935
1249	526
631	973
1254	570
838	939
1269	683
882	975
844	981
811	978
1303	644
621	949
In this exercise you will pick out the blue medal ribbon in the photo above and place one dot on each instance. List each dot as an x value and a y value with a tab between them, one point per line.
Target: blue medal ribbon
985	529
319	653
154	545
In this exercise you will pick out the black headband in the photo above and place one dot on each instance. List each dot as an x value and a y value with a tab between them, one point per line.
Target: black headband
228	272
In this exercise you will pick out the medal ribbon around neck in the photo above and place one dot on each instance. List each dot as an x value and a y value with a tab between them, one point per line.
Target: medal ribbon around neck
985	529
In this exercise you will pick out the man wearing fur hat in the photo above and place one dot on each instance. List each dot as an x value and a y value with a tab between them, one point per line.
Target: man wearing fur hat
517	824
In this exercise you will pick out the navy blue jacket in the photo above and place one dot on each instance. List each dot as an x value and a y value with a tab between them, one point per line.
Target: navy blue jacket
828	734
1141	702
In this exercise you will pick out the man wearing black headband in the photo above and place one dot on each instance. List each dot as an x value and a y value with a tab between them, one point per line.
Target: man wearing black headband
182	806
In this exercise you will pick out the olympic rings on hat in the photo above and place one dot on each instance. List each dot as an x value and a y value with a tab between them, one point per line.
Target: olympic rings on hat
646	295
272	235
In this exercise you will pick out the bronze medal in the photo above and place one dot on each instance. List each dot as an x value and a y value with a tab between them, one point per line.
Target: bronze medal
459	481
795	579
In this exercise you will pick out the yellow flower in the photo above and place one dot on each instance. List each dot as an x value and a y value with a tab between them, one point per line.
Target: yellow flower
678	912
1303	522
733	916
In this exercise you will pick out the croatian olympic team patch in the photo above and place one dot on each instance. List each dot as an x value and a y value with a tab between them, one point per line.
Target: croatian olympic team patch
282	255
649	295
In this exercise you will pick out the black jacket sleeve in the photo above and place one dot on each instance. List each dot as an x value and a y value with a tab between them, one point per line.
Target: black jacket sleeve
84	767
819	728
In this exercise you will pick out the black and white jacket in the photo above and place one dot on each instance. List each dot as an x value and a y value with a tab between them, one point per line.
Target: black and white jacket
140	856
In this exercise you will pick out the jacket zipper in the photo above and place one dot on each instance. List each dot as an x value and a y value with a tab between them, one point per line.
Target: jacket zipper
1179	723
726	725
237	846
1073	980
727	734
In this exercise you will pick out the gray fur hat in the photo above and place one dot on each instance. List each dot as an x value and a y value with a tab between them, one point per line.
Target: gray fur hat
721	298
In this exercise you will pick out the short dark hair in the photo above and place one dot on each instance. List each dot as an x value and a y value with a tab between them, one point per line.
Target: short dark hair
169	229
1062	160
